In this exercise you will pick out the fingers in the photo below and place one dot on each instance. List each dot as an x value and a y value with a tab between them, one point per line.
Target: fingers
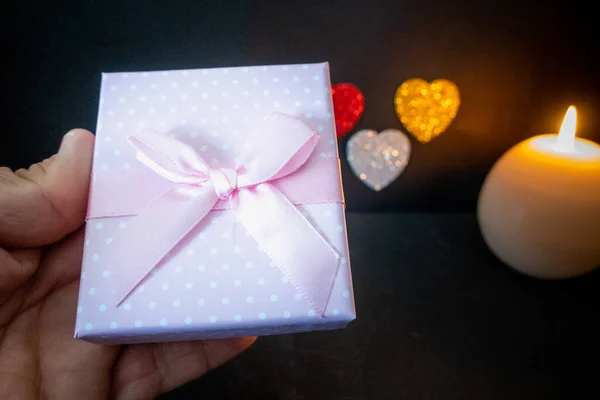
44	203
15	269
220	351
145	371
21	289
38	353
60	266
40	359
70	368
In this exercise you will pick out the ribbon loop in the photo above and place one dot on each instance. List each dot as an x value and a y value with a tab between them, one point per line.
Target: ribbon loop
175	161
278	149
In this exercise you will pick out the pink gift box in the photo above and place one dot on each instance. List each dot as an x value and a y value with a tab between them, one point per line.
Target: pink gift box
240	268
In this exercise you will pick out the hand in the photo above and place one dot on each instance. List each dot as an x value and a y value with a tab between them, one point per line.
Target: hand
41	211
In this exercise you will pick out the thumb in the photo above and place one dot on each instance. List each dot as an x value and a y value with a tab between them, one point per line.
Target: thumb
44	203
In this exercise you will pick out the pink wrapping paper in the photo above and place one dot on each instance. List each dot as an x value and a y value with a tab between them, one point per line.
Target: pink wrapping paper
217	282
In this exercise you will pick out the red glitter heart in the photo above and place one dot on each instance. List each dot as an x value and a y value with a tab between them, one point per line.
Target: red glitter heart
348	106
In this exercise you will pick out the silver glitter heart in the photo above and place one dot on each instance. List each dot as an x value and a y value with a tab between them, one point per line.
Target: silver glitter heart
378	159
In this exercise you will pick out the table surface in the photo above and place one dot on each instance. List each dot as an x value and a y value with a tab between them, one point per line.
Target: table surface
438	317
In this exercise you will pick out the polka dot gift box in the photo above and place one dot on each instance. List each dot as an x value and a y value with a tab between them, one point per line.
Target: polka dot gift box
216	207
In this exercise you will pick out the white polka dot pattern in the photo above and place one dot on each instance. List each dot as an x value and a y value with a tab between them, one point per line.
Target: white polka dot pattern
217	283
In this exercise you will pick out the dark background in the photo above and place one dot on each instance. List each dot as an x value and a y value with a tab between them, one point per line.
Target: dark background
438	315
518	65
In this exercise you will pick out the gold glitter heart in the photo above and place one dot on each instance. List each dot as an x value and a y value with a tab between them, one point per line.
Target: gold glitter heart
426	109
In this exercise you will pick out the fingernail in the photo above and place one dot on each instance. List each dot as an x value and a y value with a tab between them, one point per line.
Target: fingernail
67	146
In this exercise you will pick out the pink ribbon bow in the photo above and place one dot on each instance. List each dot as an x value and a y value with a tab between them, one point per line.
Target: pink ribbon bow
254	187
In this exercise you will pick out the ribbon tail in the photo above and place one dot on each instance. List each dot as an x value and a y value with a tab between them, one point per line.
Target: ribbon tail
154	232
300	252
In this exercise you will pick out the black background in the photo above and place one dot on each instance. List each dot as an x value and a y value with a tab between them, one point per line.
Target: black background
518	65
438	315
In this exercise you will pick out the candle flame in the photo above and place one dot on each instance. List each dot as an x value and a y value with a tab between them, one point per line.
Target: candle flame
566	135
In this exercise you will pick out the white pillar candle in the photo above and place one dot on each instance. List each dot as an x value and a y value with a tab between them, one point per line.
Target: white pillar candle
539	207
